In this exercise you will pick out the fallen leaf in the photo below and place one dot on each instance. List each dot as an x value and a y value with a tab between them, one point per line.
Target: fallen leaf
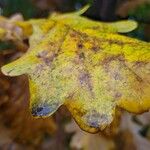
134	138
87	66
82	140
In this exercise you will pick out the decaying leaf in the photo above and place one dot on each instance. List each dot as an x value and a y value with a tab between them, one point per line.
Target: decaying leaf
11	30
82	140
131	132
15	30
87	66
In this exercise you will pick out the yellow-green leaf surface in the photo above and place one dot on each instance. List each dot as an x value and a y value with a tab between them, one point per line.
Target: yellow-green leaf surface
87	66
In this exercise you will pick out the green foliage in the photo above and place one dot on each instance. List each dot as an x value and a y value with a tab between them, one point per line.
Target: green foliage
141	13
24	7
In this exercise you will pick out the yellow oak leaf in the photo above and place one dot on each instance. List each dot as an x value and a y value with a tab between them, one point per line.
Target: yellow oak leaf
87	66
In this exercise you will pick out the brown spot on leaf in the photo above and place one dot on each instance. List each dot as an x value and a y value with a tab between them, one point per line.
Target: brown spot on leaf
42	54
118	95
85	80
95	48
116	42
80	45
73	34
81	55
46	57
140	64
107	60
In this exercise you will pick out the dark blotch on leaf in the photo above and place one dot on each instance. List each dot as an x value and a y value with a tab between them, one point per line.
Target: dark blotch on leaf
81	55
43	110
95	49
80	45
42	54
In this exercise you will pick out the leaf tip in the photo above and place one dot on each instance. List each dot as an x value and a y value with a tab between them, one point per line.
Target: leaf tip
125	26
6	70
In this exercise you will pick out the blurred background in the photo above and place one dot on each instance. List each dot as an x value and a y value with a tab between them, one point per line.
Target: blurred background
19	131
